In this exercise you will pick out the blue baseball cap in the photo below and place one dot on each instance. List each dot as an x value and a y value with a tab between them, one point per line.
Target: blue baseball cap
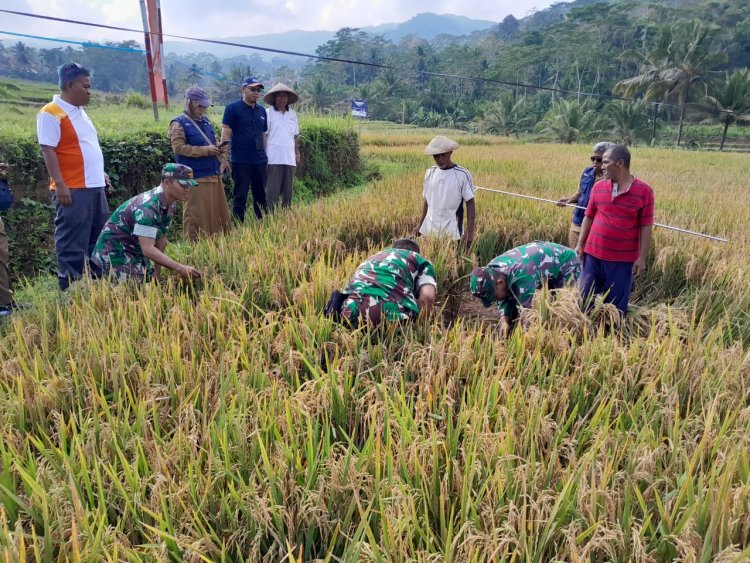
252	81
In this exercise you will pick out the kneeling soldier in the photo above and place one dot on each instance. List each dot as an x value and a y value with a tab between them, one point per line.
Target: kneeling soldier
396	284
132	243
512	278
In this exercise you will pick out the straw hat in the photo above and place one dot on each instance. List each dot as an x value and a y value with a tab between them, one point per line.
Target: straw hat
440	145
271	95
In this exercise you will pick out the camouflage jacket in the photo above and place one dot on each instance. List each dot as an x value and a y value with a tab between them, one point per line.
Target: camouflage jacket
145	215
393	276
526	268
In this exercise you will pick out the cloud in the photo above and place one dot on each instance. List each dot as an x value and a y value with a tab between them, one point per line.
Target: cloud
198	18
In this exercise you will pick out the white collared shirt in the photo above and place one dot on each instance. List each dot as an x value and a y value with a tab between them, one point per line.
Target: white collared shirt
283	127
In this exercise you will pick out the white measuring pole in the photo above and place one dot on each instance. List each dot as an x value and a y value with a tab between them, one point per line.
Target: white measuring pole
679	230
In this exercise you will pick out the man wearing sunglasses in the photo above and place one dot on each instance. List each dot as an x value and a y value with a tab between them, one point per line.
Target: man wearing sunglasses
590	176
244	124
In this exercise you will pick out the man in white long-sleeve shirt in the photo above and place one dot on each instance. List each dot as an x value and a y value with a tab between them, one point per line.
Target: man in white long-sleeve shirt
447	186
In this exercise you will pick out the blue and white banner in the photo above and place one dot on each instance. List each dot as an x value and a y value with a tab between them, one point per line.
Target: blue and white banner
359	108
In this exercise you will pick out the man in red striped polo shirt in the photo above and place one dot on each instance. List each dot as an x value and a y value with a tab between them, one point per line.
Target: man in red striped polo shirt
616	231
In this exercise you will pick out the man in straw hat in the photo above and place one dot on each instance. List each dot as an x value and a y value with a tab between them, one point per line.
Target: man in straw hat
194	144
131	245
282	145
511	279
445	189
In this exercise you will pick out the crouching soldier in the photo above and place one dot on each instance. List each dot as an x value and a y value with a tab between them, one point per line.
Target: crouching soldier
131	245
511	279
396	284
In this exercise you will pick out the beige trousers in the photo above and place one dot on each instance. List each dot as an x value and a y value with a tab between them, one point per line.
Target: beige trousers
206	211
573	234
6	296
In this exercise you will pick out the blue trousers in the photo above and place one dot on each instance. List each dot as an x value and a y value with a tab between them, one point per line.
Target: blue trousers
76	229
612	279
247	176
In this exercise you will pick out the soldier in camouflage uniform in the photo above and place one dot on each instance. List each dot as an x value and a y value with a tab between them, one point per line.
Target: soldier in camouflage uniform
395	285
512	278
132	243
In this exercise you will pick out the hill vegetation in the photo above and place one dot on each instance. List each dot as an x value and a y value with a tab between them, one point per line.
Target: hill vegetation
583	52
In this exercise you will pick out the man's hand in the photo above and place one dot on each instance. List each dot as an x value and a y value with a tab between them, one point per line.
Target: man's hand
467	241
188	272
62	192
426	299
579	251
3	170
639	267
563	202
108	183
225	166
213	150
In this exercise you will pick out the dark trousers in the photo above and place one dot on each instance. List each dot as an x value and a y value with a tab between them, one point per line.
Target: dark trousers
76	229
249	176
279	185
613	279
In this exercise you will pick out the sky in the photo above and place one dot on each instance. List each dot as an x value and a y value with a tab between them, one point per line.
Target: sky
231	18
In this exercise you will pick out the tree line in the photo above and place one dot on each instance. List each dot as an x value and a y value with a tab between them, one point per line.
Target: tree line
557	73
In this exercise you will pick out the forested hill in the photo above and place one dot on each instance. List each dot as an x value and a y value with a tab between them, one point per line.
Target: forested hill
566	61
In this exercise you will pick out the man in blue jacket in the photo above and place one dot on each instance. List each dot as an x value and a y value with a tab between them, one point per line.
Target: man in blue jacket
590	176
243	124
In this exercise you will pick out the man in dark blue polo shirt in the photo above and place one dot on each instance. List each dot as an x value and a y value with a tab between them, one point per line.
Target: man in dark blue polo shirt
244	123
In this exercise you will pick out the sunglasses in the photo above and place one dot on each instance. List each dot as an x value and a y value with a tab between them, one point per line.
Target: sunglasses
596	159
254	89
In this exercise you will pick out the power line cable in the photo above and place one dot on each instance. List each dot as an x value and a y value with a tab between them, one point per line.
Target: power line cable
203	71
362	63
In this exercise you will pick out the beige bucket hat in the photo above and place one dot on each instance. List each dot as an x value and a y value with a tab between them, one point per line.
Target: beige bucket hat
280	87
439	145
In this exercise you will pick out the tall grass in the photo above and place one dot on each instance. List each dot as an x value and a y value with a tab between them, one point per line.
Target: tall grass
232	422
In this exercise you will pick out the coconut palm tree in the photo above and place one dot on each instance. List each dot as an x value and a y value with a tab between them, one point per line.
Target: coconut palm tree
569	121
629	120
731	99
505	116
680	62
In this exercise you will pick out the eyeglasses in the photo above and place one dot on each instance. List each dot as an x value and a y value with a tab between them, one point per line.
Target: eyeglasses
254	89
596	159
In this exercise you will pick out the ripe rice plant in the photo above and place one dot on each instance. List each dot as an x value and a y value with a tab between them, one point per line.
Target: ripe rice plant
232	422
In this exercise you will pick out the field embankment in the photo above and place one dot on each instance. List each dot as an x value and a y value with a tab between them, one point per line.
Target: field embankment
133	156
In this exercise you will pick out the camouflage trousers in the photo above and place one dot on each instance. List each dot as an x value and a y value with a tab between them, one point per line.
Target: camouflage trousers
372	311
122	274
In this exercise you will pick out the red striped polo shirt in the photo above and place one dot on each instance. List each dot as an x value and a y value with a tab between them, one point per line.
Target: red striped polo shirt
616	231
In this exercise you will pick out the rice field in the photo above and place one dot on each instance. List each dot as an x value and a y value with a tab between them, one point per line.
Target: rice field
232	422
